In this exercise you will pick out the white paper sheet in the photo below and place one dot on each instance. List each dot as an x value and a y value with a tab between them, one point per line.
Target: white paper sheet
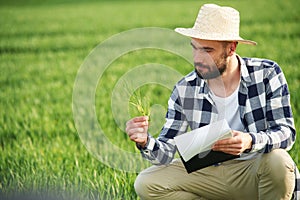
202	139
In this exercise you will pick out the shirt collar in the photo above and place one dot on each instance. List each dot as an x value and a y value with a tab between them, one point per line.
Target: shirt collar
244	71
202	83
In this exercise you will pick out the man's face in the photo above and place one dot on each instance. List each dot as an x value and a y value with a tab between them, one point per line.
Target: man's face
210	58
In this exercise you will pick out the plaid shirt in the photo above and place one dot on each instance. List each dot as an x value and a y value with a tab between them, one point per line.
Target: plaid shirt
264	107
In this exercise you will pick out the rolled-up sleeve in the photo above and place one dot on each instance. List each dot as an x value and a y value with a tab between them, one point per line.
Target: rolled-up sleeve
161	151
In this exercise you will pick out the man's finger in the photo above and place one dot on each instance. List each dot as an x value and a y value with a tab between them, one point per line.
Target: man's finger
141	119
137	119
229	141
233	151
224	142
138	130
232	146
138	124
138	137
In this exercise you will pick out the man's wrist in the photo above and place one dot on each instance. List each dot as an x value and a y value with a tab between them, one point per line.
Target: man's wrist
142	145
249	143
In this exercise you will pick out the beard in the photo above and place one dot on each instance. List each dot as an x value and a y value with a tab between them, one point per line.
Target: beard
214	70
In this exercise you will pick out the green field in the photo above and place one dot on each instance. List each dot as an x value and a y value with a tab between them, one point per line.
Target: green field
42	46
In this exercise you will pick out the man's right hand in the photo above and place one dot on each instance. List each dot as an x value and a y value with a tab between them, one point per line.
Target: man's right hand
137	130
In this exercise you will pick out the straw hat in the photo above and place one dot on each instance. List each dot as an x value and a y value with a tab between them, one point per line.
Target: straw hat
216	23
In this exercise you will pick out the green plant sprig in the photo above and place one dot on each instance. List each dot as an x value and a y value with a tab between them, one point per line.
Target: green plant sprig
141	103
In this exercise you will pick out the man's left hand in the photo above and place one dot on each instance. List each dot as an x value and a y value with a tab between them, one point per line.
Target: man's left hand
235	145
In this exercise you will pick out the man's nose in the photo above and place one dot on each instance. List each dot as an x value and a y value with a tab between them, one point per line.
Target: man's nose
199	57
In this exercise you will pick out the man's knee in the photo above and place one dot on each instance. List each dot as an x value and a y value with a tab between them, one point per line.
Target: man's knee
279	164
142	186
277	173
139	185
148	187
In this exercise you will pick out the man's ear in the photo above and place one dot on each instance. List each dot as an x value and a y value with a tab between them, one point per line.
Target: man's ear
232	48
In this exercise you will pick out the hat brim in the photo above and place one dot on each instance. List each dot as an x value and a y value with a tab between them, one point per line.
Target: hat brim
190	32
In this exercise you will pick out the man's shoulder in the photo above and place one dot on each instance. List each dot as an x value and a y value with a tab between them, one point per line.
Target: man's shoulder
188	80
259	63
262	66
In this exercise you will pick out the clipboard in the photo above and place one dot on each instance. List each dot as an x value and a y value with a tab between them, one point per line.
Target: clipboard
211	158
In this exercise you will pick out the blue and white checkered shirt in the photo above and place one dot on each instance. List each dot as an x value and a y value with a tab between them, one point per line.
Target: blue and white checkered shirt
264	107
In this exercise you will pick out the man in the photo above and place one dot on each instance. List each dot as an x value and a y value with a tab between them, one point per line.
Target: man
251	94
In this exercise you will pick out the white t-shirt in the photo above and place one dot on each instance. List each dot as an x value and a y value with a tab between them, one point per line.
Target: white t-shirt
228	108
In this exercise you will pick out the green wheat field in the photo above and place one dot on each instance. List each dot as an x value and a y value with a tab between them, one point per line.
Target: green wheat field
44	43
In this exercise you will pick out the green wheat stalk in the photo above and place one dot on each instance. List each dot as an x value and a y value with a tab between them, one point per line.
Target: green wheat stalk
139	102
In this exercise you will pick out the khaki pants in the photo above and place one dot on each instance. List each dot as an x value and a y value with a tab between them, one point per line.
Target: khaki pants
267	177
